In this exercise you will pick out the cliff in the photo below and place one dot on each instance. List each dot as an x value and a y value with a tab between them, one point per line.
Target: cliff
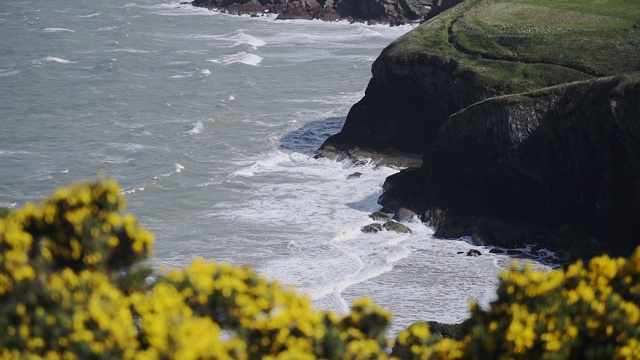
394	12
526	114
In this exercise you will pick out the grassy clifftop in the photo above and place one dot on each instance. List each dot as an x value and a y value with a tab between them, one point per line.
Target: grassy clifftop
520	45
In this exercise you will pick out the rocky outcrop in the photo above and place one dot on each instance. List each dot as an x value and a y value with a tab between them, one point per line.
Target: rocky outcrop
404	105
560	165
394	12
397	227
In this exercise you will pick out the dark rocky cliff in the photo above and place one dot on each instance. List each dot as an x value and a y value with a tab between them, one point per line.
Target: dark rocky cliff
394	12
405	103
539	146
556	166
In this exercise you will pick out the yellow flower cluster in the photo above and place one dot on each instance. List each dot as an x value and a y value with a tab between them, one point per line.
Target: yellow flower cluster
587	312
69	290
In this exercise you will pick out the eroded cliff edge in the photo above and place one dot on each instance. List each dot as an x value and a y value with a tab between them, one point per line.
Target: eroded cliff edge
527	121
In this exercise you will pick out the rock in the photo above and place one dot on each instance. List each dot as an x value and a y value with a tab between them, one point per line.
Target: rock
397	227
355	175
404	215
473	252
393	12
371	228
496	251
567	155
380	216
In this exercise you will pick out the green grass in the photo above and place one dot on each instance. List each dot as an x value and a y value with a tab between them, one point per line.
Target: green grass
519	45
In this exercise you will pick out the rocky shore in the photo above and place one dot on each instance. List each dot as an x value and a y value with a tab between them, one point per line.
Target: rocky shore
524	137
393	12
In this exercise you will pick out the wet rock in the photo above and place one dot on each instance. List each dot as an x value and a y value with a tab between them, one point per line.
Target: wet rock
371	228
380	216
355	175
473	252
497	251
404	215
397	227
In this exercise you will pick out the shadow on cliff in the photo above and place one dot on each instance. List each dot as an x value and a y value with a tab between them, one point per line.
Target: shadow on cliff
308	138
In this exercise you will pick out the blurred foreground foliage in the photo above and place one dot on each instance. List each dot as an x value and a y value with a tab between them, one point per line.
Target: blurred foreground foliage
70	288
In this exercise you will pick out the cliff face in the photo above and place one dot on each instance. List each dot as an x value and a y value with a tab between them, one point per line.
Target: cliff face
384	11
405	104
526	137
565	159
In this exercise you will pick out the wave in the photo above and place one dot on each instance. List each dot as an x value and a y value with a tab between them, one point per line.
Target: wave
128	50
53	59
195	128
134	190
240	57
89	16
51	30
242	38
130	147
9	72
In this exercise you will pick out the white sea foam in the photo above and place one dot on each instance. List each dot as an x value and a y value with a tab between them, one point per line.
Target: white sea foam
134	190
177	169
242	38
12	152
9	72
240	57
129	50
89	16
54	59
111	159
205	72
195	128
51	30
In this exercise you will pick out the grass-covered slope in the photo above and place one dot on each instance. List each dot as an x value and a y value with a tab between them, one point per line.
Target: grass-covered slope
520	45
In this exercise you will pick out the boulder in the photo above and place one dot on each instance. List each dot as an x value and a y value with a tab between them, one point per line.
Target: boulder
380	216
397	227
371	228
473	252
404	215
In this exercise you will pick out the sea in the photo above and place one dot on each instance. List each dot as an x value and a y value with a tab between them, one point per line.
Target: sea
209	122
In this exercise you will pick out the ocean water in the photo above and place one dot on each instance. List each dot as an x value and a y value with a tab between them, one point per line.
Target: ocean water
209	122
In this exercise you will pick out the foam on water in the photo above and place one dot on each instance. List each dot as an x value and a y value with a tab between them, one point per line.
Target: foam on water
9	72
195	128
240	57
51	30
53	59
244	38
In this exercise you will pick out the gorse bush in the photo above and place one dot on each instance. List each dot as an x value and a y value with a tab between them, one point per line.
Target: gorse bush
70	288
